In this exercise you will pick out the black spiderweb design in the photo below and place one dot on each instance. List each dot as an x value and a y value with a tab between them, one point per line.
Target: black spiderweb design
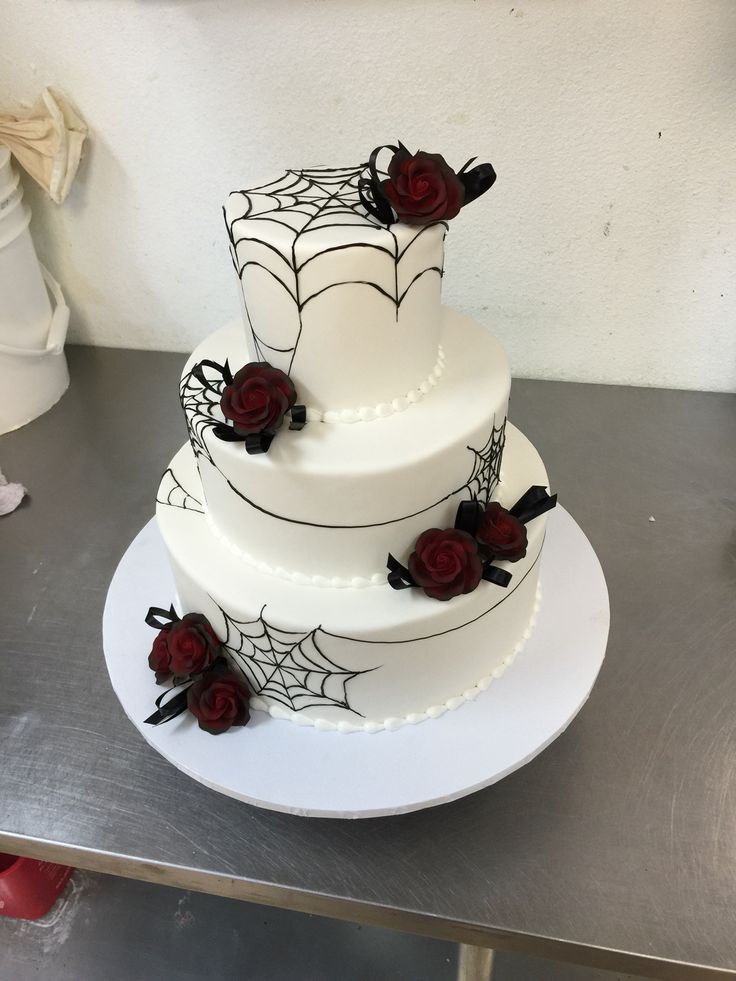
172	493
200	399
287	666
486	471
198	402
300	204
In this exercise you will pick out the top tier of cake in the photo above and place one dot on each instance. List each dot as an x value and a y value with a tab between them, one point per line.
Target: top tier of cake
348	307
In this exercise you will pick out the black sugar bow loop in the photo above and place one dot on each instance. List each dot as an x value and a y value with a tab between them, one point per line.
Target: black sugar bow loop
223	371
370	191
298	417
158	618
166	711
530	505
491	573
257	442
476	181
533	503
226	433
399	576
468	517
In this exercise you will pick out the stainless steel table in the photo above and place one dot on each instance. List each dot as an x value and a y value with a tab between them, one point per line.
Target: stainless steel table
616	847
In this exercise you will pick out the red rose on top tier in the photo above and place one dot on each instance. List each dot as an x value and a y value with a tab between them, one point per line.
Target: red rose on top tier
184	647
422	188
503	534
445	563
258	398
218	701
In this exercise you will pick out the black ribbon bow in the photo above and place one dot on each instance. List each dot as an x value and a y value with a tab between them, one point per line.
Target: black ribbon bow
298	417
158	618
166	711
469	515
222	369
476	181
533	503
254	442
399	576
370	191
530	505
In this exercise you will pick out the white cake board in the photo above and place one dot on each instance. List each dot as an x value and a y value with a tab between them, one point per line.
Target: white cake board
278	765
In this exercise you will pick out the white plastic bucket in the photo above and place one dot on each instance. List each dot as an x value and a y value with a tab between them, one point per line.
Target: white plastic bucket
25	308
31	380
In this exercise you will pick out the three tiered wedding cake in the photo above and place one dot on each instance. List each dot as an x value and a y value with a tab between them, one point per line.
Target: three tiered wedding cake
350	438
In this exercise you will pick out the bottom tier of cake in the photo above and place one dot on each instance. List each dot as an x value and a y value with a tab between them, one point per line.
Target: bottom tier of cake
352	659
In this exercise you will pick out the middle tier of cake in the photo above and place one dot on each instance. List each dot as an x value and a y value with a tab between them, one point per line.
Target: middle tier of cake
327	504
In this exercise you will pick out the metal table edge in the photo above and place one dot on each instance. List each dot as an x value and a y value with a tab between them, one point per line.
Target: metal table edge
356	911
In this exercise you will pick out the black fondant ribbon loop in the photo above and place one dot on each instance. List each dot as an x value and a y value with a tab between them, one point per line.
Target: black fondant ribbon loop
158	618
258	442
399	576
476	181
499	577
165	711
535	502
298	417
222	369
226	433
370	191
468	517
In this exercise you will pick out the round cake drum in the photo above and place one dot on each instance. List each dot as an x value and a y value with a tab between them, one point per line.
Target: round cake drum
300	770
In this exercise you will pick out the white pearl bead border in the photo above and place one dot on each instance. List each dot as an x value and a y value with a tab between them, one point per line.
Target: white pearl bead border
370	413
413	718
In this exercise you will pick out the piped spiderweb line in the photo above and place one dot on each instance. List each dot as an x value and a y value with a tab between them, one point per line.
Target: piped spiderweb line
298	199
200	402
302	202
286	666
486	471
172	493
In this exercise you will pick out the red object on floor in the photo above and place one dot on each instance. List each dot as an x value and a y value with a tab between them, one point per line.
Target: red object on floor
28	888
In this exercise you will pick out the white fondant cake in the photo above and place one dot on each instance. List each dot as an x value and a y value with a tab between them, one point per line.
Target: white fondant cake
285	551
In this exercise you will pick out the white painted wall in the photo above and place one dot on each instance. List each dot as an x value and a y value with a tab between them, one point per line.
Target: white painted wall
605	252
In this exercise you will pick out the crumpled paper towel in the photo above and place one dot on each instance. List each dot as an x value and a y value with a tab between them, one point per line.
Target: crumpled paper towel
10	495
46	141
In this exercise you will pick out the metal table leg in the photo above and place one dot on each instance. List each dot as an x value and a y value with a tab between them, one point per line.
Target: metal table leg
474	963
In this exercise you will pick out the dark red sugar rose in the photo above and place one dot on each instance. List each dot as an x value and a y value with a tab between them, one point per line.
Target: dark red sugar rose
502	533
445	563
258	398
159	659
422	187
218	701
184	647
193	644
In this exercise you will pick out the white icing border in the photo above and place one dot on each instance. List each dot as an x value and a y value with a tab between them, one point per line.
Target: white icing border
433	712
298	578
369	413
